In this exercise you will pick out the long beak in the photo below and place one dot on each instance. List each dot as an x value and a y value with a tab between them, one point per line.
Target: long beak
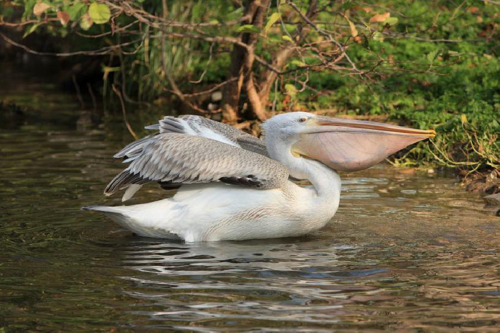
352	145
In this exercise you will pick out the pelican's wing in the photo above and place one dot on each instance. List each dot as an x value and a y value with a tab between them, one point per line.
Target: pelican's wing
184	159
201	126
135	148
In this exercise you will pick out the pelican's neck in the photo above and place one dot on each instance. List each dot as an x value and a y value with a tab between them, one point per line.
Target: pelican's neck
325	181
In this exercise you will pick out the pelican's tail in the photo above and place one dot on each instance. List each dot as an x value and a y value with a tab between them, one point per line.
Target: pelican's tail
104	209
117	214
138	218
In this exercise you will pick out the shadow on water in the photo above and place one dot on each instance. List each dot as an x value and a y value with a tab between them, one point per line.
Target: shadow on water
405	251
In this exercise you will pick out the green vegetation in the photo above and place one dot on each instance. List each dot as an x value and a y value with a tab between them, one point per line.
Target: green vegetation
427	64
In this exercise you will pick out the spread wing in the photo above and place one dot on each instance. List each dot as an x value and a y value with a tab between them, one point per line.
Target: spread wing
200	126
173	158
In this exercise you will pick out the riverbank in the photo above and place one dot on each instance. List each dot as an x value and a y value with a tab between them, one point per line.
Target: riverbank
12	116
423	65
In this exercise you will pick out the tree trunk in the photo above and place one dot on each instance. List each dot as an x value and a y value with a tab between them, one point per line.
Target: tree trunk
268	77
241	65
242	60
232	90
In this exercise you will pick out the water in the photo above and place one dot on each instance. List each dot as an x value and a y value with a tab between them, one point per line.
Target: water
406	251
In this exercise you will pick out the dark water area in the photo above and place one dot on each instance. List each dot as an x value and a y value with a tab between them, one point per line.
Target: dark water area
406	251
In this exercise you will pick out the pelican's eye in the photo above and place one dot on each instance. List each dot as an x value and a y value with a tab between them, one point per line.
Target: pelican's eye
302	119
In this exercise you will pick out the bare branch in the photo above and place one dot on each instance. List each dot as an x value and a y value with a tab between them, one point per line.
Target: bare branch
323	33
22	24
124	112
206	66
102	51
211	90
114	31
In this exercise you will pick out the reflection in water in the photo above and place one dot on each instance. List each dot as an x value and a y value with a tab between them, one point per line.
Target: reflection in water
404	252
280	283
314	283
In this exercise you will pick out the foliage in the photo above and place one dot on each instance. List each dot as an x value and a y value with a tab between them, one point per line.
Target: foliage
420	63
448	79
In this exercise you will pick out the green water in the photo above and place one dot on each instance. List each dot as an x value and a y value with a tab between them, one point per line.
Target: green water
406	252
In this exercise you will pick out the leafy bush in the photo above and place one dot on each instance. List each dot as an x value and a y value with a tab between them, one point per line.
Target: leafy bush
419	63
448	78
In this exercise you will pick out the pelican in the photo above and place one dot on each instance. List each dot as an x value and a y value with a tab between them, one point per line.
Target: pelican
236	186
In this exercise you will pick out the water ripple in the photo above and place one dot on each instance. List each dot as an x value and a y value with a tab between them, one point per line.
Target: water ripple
404	252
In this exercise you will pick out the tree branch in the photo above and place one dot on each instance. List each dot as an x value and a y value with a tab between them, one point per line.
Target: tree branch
102	51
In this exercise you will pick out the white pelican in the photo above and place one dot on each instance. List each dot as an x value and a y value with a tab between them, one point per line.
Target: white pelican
236	186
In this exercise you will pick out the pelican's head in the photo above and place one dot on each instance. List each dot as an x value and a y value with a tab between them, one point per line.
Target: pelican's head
341	144
288	126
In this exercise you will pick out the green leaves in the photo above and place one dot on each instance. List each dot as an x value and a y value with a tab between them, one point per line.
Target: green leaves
28	8
391	21
272	19
297	62
86	22
76	11
30	29
248	28
6	12
66	11
99	13
431	56
290	89
378	36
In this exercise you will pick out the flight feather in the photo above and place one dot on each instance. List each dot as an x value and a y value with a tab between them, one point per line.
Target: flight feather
174	158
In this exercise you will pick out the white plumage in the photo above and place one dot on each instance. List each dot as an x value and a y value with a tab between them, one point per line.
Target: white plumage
219	212
261	201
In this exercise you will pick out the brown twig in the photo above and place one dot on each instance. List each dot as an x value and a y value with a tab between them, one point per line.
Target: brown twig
92	95
21	24
124	112
323	33
214	88
206	66
114	31
78	93
102	51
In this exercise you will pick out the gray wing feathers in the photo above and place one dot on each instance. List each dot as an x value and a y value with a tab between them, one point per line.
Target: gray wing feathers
171	124
200	126
179	158
135	148
194	125
251	143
